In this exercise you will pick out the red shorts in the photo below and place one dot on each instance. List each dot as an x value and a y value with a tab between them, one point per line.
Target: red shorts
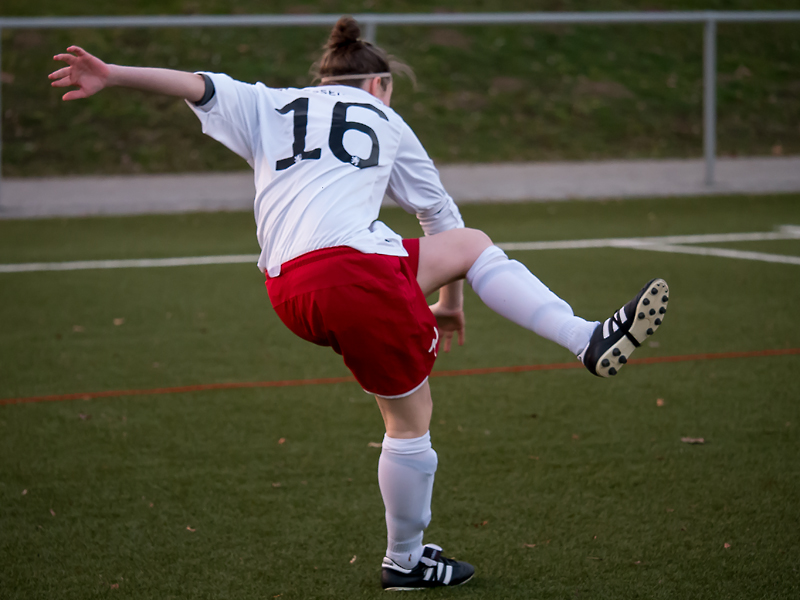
367	307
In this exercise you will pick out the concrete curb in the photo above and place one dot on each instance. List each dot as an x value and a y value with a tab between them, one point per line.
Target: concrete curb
476	183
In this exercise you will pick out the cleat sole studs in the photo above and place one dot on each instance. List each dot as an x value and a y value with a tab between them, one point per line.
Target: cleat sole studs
616	352
640	315
650	331
658	321
623	360
646	301
665	298
654	291
652	311
612	371
662	310
605	362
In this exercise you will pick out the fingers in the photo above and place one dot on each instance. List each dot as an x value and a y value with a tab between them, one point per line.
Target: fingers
74	95
448	336
63	72
63	82
77	53
67	58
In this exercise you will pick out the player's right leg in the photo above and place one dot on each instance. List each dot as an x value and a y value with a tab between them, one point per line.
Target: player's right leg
510	289
506	286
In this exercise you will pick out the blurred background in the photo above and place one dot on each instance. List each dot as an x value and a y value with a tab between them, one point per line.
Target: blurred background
484	94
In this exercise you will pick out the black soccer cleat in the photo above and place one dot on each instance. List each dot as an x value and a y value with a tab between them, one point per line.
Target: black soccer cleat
612	342
432	570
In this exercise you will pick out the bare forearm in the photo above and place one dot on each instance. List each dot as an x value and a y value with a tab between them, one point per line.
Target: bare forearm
159	81
451	296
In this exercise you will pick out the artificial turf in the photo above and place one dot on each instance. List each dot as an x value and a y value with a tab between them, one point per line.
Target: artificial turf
554	484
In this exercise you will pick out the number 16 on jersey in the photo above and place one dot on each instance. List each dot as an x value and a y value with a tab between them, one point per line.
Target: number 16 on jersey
339	126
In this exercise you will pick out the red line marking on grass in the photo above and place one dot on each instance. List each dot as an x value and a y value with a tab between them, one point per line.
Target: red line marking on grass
330	380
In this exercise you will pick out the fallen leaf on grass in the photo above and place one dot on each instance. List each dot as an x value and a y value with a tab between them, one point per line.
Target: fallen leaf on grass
689	440
352	560
530	545
84	417
575	436
670	510
24	492
533	457
480	524
374	445
276	484
151	505
52	512
78	328
119	321
727	545
281	441
190	529
114	586
594	557
660	402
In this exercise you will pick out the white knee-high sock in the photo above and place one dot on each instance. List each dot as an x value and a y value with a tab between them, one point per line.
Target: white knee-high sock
511	290
405	475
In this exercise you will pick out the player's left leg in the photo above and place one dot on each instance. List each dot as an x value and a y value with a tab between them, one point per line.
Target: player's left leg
405	474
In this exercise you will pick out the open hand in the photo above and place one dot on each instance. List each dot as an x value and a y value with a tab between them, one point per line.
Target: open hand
449	321
87	72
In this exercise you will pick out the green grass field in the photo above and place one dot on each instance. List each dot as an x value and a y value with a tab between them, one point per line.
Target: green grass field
518	93
555	484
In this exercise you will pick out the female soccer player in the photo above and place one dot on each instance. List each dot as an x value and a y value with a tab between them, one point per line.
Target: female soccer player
323	158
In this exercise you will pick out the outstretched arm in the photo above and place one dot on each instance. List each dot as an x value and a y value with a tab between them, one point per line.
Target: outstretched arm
90	75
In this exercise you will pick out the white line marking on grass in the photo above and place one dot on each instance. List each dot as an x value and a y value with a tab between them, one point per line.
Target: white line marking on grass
720	252
143	263
785	233
659	244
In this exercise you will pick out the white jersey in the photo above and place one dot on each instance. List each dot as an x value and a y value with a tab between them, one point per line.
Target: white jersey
323	159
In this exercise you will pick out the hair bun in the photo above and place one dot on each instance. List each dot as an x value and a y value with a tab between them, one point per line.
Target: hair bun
345	32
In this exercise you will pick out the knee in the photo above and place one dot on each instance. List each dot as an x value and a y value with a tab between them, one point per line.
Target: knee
474	242
478	239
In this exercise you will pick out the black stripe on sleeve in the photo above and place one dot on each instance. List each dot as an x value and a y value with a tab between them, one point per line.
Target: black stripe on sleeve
209	93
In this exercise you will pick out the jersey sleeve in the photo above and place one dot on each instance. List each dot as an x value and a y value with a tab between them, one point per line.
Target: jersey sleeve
415	185
231	116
